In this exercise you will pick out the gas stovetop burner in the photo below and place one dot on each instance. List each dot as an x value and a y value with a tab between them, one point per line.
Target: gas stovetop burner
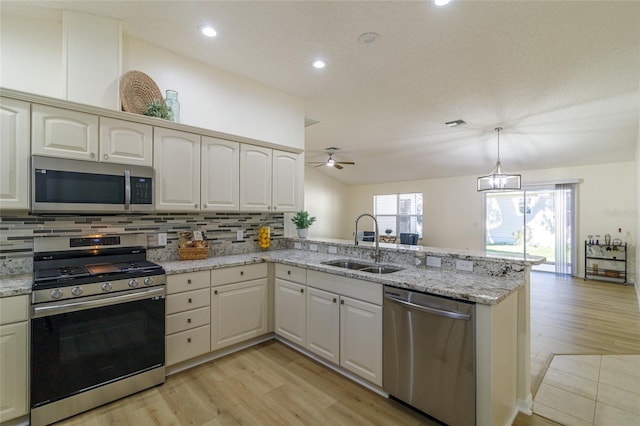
61	273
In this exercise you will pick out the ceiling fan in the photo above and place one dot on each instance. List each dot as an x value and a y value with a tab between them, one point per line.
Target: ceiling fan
331	162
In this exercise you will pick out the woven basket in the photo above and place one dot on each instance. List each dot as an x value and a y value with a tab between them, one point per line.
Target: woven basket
137	89
193	253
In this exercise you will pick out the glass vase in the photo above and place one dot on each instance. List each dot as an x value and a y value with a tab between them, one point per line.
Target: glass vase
172	102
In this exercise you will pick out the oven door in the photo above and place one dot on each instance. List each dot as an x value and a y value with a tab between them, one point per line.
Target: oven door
78	345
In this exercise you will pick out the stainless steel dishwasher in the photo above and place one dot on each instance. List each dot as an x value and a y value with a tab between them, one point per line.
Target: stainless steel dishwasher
429	354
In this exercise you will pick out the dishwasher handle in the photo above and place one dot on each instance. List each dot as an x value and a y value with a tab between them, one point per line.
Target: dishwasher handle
435	311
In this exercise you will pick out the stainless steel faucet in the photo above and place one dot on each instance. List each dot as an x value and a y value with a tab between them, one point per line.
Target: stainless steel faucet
376	254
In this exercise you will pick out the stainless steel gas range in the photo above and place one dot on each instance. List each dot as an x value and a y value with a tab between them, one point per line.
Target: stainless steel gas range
97	323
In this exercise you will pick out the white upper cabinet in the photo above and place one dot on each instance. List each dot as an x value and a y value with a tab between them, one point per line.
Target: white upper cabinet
58	132
288	170
220	175
255	178
125	142
14	154
176	160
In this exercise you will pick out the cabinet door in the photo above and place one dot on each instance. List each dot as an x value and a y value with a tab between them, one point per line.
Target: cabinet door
255	178
176	160
125	142
220	175
361	339
323	324
290	311
238	312
14	154
13	371
58	132
288	181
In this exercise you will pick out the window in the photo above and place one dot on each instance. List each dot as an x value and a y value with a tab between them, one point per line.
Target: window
399	212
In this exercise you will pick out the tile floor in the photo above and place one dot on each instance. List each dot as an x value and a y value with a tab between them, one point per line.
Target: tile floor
594	390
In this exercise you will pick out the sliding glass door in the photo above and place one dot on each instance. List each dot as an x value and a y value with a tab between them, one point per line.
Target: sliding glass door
536	221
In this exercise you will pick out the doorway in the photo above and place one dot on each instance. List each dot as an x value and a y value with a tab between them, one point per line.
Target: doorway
536	221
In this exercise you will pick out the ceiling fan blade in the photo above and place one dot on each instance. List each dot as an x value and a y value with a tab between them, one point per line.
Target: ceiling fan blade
338	166
321	164
345	162
317	162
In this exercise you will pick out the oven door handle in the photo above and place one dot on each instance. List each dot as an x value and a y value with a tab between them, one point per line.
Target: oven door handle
101	301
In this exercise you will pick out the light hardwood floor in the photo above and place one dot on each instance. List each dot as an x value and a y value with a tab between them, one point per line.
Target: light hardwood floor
273	384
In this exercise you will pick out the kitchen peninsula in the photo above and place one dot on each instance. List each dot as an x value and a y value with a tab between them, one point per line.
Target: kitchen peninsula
498	285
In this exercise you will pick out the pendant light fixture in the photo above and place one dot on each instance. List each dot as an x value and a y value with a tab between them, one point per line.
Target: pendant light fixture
498	179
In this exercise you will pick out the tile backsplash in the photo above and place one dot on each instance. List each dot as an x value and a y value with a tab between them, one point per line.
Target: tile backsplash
17	233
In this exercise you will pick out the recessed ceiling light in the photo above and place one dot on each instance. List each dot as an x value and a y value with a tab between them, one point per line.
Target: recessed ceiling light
319	63
368	38
208	31
441	2
455	123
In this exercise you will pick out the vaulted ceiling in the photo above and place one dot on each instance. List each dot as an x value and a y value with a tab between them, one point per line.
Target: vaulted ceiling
561	77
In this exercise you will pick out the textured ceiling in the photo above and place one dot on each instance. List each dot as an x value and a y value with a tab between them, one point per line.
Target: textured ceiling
561	77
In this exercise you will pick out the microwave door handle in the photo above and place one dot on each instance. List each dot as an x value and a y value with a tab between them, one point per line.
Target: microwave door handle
127	189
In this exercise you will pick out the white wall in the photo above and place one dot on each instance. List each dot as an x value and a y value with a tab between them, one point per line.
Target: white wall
327	199
32	55
31	58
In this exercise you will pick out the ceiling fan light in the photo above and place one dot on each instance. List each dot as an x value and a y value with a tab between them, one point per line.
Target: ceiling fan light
331	162
498	179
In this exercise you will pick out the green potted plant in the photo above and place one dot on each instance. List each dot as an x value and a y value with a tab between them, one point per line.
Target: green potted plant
157	108
303	221
388	231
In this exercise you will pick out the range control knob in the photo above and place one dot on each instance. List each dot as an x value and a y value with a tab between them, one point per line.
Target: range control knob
133	283
106	286
56	293
76	291
148	281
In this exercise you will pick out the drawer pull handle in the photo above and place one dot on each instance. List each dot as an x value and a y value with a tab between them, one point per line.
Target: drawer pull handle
288	272
335	300
241	272
215	291
342	302
188	339
189	320
302	290
189	281
189	300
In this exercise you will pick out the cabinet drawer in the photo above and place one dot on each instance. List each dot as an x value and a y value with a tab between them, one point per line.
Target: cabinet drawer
14	309
291	273
181	302
188	281
187	320
187	344
238	273
358	289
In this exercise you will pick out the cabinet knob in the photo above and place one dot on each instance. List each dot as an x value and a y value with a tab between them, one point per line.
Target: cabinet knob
188	339
195	205
188	320
92	155
106	156
302	290
335	300
204	206
275	207
288	272
342	302
189	300
241	272
189	281
215	291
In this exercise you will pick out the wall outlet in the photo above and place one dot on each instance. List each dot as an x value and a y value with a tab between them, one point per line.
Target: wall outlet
464	265
162	239
239	235
333	250
297	246
313	247
434	261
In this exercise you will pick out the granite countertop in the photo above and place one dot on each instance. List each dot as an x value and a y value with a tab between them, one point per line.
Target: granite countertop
484	289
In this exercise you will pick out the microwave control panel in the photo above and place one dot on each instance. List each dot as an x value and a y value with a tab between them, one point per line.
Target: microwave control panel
141	190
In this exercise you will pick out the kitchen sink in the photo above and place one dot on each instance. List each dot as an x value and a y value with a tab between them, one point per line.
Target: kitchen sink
362	267
381	269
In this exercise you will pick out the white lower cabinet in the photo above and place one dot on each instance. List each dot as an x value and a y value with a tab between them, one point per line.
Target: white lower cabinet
14	332
344	323
188	316
239	310
291	303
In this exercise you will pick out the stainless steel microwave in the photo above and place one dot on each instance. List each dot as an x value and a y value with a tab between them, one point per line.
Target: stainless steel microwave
59	185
